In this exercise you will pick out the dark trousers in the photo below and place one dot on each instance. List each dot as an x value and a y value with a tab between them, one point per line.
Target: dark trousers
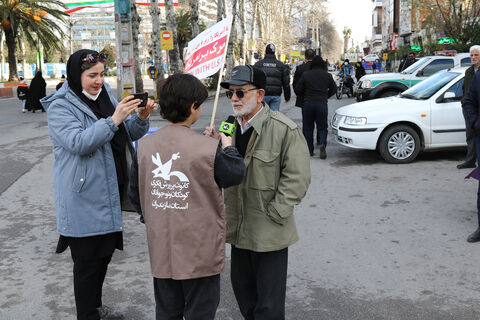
314	113
477	145
259	281
471	156
194	299
88	277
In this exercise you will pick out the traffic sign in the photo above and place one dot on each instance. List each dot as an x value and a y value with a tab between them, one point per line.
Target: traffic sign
166	40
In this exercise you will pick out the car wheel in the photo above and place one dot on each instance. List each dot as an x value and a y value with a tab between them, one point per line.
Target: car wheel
359	98
339	92
388	93
399	144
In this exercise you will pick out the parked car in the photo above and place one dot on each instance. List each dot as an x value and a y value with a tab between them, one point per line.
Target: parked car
425	117
371	58
372	86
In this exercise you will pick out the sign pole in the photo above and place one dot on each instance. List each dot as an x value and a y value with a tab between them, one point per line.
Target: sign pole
220	78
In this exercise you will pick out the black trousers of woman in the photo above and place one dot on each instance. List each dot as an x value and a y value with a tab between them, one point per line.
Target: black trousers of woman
91	256
88	277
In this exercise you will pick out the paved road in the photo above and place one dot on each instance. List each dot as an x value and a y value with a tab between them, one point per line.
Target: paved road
378	241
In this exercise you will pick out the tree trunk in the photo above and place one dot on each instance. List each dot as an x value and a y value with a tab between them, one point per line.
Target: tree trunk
136	53
252	30
261	34
243	31
12	59
221	10
156	49
229	57
2	56
176	65
22	57
194	17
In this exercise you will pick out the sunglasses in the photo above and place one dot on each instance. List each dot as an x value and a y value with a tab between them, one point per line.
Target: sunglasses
93	58
240	93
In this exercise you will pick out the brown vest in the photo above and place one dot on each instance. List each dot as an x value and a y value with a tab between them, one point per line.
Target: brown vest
181	203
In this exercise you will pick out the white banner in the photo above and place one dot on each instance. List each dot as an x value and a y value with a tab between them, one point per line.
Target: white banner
205	54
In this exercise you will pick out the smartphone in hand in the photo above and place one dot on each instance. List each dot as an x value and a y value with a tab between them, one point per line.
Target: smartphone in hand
142	96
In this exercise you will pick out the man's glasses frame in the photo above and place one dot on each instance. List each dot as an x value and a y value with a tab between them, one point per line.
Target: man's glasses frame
240	93
93	58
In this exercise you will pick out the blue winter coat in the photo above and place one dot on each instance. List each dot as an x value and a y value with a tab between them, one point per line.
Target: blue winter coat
87	200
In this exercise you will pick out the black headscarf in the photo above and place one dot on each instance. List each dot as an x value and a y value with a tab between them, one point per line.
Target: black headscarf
102	108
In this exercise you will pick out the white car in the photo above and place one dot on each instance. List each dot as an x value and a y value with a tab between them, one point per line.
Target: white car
371	58
425	117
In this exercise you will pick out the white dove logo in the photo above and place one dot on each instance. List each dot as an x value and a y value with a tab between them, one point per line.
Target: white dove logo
163	170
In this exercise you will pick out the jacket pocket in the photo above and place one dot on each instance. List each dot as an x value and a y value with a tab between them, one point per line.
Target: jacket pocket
264	169
79	178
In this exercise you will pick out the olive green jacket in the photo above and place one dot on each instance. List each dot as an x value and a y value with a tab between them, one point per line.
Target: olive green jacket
259	211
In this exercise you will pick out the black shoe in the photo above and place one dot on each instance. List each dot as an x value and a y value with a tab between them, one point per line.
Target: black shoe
107	313
474	237
323	152
465	165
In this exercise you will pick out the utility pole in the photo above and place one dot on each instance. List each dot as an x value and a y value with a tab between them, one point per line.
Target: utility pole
124	49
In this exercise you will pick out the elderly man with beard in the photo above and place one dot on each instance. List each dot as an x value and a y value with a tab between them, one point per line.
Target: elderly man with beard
259	211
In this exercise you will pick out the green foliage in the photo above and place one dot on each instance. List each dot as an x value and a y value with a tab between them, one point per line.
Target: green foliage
32	20
184	29
110	51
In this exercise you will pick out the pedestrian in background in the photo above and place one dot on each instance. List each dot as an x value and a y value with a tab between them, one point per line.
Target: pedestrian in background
260	219
471	109
186	261
316	86
22	93
359	71
36	92
407	61
471	156
92	138
278	77
62	80
309	54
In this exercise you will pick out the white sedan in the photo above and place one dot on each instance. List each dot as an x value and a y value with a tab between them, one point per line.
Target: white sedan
425	117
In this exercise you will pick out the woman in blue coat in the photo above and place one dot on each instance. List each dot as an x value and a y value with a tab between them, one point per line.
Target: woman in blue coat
92	138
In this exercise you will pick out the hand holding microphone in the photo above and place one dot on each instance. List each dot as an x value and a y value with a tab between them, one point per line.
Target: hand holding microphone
226	131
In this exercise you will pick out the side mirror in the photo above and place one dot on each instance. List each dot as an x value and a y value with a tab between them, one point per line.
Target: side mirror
420	73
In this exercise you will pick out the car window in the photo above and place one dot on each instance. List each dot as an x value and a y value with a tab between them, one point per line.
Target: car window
430	86
457	89
416	65
437	65
466	62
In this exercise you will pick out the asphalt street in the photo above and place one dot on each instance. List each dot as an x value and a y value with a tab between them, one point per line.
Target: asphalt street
377	241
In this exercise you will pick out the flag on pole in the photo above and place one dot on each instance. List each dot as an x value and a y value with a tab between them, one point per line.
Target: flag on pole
75	5
205	54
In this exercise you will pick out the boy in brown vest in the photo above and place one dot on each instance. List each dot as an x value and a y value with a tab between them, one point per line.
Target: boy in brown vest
175	184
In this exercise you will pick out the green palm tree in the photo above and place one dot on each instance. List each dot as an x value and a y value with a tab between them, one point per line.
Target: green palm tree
34	21
184	29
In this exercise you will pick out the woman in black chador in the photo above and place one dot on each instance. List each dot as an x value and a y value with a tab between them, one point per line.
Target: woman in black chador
37	92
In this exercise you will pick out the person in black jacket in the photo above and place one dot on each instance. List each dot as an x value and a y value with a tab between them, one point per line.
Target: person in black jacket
37	91
309	54
22	93
471	111
407	61
316	86
278	77
359	71
471	156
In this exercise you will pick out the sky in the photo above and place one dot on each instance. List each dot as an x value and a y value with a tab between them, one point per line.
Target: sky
355	14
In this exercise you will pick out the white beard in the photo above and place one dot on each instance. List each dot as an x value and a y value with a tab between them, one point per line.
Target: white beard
247	107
